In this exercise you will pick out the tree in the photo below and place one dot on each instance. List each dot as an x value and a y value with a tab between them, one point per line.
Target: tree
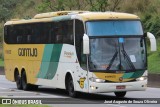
4	14
51	5
97	5
114	5
6	8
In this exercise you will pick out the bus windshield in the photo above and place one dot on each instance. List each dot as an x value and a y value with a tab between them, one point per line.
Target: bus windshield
115	54
116	27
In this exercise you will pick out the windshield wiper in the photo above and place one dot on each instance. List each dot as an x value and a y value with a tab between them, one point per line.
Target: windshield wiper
112	60
128	59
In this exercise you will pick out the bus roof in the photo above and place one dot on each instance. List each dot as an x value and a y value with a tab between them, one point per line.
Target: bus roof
83	15
107	16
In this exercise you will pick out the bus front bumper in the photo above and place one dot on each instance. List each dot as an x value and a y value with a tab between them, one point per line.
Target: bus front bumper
115	87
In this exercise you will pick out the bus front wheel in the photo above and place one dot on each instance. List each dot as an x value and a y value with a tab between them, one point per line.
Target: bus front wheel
70	88
120	94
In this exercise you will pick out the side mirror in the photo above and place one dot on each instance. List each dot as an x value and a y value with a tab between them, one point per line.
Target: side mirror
152	41
86	44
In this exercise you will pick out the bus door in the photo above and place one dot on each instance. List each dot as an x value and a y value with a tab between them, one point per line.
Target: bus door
81	66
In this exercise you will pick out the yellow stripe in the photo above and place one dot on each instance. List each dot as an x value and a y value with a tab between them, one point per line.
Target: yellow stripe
114	77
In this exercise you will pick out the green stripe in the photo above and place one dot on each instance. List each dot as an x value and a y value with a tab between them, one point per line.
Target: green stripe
128	75
53	65
50	61
136	74
48	50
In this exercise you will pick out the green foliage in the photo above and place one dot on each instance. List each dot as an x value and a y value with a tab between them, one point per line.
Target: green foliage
97	5
6	7
50	5
152	24
42	7
29	3
4	13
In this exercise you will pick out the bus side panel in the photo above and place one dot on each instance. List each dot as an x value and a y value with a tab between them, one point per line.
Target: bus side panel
69	63
62	62
27	57
8	67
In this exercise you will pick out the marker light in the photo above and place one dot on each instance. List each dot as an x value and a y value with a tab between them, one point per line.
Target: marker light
93	87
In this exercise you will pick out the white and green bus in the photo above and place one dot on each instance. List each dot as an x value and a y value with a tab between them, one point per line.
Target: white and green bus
80	51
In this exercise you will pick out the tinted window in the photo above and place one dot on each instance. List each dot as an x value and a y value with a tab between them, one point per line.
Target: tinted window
79	32
40	33
64	32
114	28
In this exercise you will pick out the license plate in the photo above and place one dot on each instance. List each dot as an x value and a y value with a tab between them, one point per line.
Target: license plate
120	87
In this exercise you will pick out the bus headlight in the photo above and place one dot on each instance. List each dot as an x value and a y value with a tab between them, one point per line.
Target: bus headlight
141	78
96	80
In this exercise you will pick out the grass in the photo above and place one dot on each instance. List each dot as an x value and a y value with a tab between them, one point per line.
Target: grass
154	63
154	60
1	63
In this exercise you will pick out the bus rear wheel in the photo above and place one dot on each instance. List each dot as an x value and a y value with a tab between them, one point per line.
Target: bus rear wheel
25	85
70	87
120	94
18	81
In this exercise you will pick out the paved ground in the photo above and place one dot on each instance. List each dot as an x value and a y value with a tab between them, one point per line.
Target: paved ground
54	97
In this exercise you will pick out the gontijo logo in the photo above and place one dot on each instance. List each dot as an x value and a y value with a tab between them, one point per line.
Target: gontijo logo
29	52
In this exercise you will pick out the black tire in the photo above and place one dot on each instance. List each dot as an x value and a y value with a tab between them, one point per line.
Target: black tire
70	88
18	81
120	94
25	85
33	87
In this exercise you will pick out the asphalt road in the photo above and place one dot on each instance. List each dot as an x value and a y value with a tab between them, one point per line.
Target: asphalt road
54	96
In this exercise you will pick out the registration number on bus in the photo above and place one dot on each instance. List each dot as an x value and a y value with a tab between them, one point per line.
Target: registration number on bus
120	87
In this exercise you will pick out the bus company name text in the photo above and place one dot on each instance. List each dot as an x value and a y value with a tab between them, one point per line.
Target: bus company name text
29	52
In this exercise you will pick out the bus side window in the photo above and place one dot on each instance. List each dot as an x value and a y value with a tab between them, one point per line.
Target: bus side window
68	32
58	32
51	36
19	39
28	34
12	35
79	32
6	34
19	33
50	32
